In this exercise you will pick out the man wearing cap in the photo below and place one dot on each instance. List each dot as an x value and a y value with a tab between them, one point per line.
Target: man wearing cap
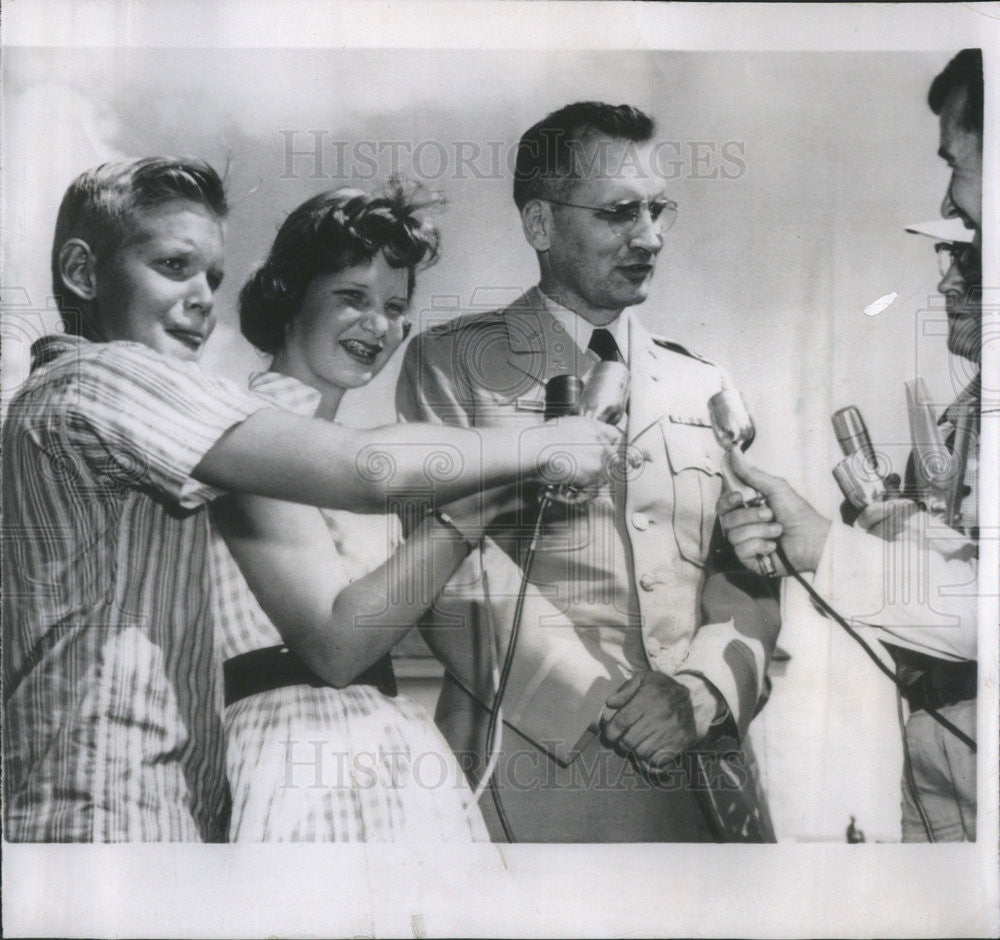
633	648
908	569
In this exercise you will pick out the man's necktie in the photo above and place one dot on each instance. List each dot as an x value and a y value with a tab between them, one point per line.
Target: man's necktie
603	344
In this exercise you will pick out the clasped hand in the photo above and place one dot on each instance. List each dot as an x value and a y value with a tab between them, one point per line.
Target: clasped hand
653	720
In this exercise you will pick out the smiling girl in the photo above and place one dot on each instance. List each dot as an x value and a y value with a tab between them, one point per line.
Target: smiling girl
319	746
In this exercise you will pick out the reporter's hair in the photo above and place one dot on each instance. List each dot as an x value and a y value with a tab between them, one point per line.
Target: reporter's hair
100	205
545	153
328	233
965	70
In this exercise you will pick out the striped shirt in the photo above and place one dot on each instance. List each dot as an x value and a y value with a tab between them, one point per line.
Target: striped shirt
111	697
362	542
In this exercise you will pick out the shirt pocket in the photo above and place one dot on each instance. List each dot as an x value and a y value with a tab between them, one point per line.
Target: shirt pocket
696	474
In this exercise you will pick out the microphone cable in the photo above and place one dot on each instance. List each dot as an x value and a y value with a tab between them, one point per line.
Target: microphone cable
493	757
604	397
508	661
829	611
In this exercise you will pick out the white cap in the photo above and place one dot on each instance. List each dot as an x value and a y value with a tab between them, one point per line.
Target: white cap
943	230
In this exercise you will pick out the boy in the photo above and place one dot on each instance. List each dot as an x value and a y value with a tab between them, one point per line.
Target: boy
111	451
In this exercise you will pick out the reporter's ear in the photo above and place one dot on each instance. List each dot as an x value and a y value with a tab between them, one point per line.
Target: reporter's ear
78	269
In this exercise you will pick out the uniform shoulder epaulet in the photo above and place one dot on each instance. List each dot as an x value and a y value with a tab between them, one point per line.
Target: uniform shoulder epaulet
678	348
464	322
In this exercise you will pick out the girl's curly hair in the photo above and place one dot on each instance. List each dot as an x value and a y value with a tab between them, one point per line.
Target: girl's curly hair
328	233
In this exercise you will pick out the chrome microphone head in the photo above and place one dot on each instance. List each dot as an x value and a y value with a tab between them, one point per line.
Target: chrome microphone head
858	482
605	394
731	422
852	435
562	396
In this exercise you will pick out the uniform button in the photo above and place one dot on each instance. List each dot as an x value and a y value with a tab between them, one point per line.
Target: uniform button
640	520
647	582
652	648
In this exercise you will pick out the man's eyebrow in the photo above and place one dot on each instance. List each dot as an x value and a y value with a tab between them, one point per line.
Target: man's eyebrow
621	203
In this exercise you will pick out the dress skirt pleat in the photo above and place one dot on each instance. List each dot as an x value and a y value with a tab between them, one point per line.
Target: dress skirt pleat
343	765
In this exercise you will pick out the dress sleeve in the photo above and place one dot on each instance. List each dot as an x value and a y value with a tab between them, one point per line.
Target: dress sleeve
146	420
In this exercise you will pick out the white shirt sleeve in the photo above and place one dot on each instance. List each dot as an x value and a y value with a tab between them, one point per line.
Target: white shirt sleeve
917	595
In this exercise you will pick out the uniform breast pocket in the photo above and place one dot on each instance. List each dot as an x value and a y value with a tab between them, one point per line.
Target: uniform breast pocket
696	474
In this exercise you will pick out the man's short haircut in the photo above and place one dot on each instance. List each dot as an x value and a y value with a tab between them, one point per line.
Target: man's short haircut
964	71
328	233
545	153
100	205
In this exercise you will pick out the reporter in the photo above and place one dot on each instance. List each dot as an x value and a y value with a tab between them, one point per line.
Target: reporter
904	573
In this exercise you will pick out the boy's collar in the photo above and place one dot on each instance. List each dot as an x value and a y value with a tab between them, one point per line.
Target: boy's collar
49	348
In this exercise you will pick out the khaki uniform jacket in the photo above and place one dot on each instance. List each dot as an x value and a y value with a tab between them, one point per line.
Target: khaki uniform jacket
639	559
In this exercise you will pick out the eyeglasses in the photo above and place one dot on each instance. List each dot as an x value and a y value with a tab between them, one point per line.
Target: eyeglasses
963	254
623	217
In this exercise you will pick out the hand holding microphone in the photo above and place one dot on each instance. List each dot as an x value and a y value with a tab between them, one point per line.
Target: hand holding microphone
584	465
754	530
603	398
734	431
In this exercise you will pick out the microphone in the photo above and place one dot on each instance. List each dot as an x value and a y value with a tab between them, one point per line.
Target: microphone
857	474
852	434
604	397
733	427
562	396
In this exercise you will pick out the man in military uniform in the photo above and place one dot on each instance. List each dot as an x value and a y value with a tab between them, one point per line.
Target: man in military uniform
632	649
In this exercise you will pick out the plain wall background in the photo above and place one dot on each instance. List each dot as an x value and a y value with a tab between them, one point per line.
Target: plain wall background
768	273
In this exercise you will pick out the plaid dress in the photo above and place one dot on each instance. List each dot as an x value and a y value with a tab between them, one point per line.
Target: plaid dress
323	764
